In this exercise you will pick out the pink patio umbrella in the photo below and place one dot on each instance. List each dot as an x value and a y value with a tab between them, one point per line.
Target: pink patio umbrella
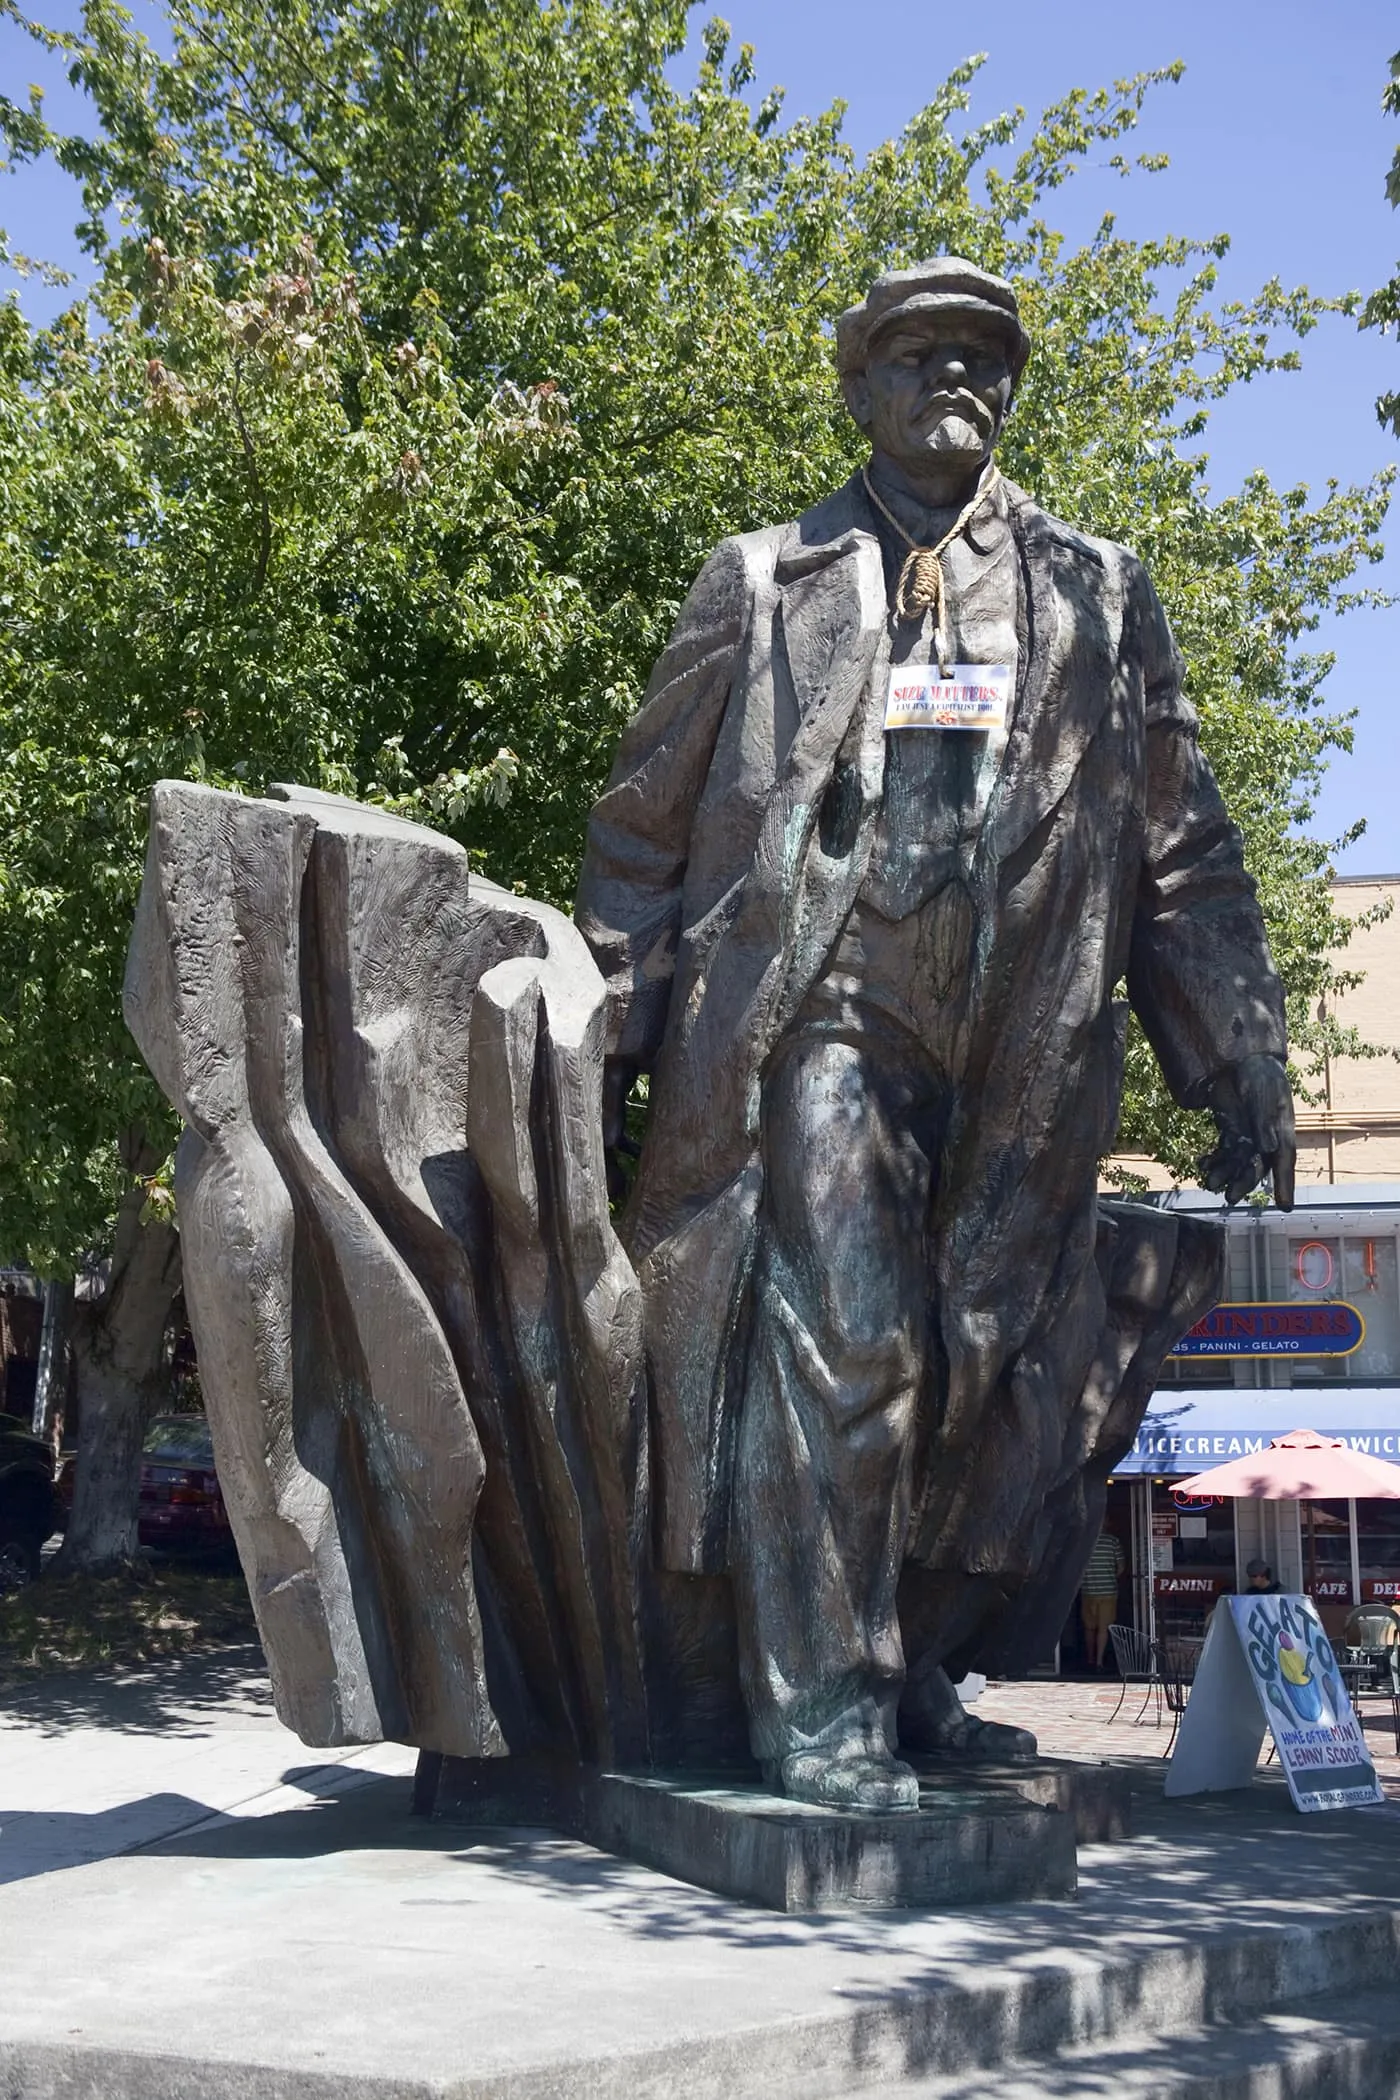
1300	1467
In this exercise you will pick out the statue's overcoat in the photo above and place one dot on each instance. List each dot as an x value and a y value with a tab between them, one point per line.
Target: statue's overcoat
722	862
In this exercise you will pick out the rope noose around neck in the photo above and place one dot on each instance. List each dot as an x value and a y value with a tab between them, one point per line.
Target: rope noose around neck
921	582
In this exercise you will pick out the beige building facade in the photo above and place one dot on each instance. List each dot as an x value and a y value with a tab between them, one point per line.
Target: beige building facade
1353	1133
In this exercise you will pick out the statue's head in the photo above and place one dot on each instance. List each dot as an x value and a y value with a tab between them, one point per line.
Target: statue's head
929	361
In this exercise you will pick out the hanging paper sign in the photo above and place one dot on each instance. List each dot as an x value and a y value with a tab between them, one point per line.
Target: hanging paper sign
1331	1329
1268	1661
966	696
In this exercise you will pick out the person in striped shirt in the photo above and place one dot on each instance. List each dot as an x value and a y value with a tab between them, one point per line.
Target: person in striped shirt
1098	1595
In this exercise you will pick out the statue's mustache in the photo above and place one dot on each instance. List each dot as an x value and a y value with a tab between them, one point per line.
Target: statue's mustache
944	404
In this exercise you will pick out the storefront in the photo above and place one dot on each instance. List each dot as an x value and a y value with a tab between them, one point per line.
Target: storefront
1341	1553
1309	1338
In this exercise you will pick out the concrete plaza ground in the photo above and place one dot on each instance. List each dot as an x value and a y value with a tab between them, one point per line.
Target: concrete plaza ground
193	1905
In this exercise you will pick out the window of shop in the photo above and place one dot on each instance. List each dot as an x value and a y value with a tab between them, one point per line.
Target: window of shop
1369	1281
1361	1269
1280	1265
1326	1544
1329	1573
1378	1550
1193	1556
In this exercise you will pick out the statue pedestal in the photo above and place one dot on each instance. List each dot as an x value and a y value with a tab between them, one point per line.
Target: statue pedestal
1007	1837
1096	1798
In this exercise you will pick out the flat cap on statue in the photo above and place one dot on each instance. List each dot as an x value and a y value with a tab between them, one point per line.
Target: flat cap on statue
947	285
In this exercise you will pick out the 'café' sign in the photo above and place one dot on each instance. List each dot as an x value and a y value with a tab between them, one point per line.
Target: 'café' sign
1332	1328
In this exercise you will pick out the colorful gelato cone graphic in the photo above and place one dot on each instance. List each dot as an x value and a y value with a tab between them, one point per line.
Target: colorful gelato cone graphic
1304	1692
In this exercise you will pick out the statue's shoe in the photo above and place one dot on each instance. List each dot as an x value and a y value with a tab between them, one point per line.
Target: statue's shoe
968	1741
866	1783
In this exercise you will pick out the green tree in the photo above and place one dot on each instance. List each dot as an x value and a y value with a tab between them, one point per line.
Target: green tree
433	347
188	573
1382	309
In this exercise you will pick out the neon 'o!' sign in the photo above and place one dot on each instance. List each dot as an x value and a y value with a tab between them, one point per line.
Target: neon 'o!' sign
1313	1265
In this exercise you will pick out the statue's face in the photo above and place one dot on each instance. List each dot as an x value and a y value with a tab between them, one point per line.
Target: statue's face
934	393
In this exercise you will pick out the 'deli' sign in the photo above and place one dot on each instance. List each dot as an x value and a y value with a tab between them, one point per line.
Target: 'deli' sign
1268	1661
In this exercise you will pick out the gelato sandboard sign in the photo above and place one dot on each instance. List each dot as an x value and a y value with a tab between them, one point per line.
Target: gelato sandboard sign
1268	1661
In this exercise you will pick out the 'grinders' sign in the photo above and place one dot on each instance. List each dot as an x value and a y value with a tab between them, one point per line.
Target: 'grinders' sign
1332	1328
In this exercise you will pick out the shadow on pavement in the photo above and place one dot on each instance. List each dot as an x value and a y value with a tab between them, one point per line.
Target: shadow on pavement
50	1841
178	1695
1212	1865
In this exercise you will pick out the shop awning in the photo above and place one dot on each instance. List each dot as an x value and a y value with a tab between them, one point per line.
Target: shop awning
1188	1428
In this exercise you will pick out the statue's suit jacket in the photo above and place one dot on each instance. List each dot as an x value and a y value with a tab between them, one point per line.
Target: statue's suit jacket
722	862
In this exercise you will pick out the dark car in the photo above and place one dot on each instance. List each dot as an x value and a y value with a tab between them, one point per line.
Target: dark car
29	1510
181	1505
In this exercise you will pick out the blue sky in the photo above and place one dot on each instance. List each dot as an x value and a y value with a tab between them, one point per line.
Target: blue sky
1275	136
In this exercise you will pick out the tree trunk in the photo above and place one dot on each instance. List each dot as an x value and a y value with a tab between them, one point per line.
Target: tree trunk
52	1377
119	1352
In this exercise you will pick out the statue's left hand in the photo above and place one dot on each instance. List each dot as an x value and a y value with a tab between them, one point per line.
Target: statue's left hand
1253	1108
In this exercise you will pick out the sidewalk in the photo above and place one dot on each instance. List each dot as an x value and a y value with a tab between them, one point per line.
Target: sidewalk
97	1762
1071	1719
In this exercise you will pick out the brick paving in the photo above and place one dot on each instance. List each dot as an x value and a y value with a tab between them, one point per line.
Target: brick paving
1072	1719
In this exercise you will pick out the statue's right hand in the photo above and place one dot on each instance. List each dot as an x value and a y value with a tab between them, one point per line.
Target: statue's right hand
1253	1109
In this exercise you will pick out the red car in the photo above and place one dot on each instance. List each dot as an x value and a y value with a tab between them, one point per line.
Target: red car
180	1500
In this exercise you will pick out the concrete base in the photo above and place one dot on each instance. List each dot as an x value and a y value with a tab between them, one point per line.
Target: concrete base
966	1844
1098	1799
958	1848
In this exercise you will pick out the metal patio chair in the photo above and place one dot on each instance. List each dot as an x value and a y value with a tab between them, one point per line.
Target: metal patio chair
1371	1626
1138	1662
1176	1664
1383	1683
